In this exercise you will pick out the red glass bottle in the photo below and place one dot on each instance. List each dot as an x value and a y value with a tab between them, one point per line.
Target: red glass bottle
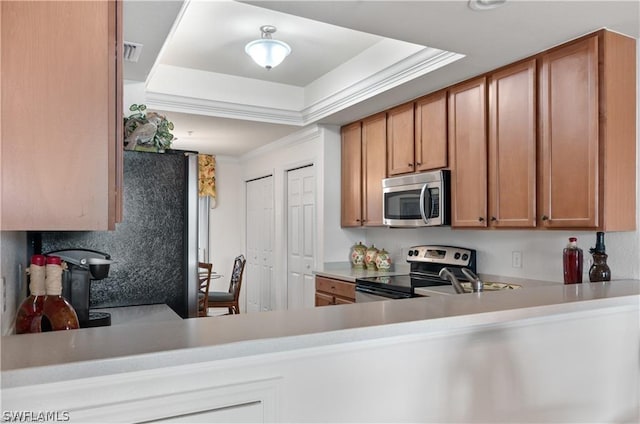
57	313
572	262
30	311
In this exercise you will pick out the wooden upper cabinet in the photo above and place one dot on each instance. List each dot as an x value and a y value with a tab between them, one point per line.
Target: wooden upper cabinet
417	135
512	146
587	106
468	153
363	168
431	132
400	140
351	176
569	136
374	168
61	114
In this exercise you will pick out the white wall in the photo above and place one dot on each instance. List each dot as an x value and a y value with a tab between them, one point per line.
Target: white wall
302	148
226	224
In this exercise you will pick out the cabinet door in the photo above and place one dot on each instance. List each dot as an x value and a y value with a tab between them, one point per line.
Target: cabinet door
61	135
400	141
569	136
431	132
512	146
374	163
468	153
351	178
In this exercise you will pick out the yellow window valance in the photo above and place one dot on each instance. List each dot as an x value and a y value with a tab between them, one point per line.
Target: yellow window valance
207	176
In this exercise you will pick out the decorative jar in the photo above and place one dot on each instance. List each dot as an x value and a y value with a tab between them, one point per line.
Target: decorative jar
383	260
370	258
357	255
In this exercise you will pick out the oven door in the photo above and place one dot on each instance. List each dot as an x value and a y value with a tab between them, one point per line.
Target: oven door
373	294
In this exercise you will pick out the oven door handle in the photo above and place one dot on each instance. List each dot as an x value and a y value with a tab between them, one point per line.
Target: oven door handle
424	193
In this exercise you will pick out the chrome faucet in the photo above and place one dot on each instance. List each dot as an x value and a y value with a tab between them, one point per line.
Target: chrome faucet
446	274
476	283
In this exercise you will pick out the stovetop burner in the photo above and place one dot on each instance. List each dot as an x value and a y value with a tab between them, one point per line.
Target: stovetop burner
425	265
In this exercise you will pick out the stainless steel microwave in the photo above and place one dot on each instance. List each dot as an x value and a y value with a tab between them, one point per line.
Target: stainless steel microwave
417	200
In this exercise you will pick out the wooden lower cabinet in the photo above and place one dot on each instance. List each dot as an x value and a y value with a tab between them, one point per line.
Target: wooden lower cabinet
330	291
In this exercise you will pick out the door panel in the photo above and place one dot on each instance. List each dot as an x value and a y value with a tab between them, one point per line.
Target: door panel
258	275
301	227
512	146
468	145
569	136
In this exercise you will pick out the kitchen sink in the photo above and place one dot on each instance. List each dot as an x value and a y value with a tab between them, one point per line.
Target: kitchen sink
491	286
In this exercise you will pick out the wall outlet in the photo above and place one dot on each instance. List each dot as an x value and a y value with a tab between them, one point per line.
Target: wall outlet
516	259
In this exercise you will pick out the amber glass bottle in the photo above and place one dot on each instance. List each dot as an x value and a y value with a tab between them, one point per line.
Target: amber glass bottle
58	314
30	311
572	262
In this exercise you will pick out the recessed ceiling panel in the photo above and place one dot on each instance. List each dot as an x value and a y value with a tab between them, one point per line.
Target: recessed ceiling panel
211	37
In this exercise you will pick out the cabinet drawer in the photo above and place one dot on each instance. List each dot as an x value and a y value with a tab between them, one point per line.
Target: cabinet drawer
337	287
341	301
324	299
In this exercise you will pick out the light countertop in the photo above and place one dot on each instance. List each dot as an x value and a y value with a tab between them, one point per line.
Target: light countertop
140	314
65	355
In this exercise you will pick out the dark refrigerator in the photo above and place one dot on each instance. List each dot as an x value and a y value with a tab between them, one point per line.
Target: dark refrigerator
155	247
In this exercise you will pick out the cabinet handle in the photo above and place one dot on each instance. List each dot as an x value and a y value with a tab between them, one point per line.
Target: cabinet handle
545	218
357	219
418	164
410	165
493	218
481	219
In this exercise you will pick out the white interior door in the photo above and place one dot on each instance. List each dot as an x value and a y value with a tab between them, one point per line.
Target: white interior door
301	225
259	268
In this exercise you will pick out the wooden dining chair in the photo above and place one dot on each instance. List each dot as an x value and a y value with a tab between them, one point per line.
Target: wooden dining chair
204	278
231	298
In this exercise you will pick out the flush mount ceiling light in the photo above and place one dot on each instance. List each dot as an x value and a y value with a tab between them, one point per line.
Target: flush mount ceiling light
485	4
266	51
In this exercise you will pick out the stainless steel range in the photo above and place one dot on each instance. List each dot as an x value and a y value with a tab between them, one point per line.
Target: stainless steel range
425	265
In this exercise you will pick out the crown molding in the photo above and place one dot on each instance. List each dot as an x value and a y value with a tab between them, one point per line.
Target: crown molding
414	66
305	134
175	103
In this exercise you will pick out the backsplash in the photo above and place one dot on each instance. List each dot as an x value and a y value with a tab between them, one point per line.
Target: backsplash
541	251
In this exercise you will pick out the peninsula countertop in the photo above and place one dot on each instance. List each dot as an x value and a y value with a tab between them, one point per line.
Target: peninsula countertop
65	355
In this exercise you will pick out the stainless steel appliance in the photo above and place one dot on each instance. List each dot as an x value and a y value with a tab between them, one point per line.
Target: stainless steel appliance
417	200
426	262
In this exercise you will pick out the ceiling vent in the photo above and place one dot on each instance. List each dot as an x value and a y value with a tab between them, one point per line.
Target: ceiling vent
132	51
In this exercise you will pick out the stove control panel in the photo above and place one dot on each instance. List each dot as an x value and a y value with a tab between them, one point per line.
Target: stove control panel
445	255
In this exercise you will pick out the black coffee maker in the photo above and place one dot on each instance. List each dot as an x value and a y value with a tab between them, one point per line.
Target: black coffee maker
84	266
